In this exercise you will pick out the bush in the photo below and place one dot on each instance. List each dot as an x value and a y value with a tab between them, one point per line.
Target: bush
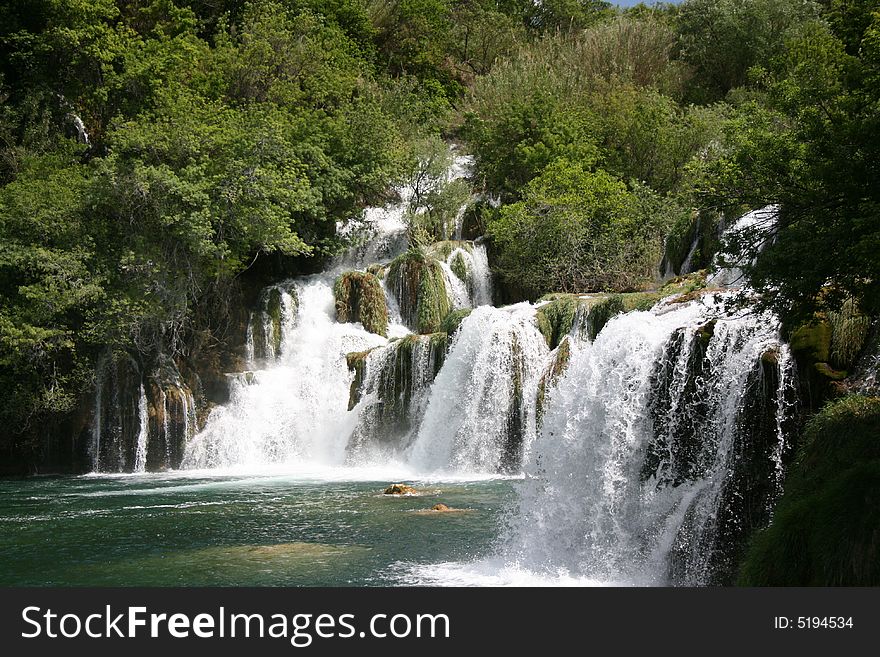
578	231
825	527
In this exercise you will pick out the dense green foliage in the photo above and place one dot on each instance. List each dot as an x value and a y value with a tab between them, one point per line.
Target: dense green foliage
808	141
152	152
578	230
824	529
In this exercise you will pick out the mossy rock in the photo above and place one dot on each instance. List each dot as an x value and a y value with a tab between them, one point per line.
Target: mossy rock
770	358
557	367
825	527
602	312
377	270
453	321
556	319
442	250
706	332
357	363
417	282
360	298
702	227
812	341
460	268
824	369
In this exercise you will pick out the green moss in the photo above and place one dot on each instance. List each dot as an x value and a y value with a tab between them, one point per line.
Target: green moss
442	250
512	456
360	298
357	363
687	285
825	528
459	268
377	270
420	287
557	367
705	333
453	320
812	341
555	319
829	372
273	309
849	331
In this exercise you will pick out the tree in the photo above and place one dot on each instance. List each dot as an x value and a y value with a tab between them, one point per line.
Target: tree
579	231
814	151
723	39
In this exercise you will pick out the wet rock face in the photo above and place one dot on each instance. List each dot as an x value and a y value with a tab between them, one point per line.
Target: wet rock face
116	413
142	415
397	379
688	439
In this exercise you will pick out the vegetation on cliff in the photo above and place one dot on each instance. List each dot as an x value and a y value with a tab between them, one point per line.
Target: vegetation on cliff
416	279
360	298
824	529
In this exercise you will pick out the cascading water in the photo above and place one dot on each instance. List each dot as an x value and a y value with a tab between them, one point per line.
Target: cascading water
294	408
661	441
481	413
140	422
753	230
140	456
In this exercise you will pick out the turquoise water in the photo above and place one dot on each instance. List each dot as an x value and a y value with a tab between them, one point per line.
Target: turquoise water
205	529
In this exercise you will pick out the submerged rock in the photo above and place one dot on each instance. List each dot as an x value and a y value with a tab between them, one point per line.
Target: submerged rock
400	489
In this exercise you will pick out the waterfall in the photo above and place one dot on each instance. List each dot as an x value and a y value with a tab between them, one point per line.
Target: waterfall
481	412
98	415
140	456
270	326
390	401
468	266
456	289
296	407
687	264
754	229
643	448
481	276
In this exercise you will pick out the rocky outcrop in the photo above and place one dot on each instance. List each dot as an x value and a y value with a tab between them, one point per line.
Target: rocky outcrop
360	298
416	280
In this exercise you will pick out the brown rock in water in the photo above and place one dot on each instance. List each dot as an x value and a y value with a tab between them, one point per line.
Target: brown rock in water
440	507
400	489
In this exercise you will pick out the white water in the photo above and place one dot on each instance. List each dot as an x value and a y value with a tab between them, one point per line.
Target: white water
466	423
754	228
140	457
593	506
477	289
295	409
586	506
